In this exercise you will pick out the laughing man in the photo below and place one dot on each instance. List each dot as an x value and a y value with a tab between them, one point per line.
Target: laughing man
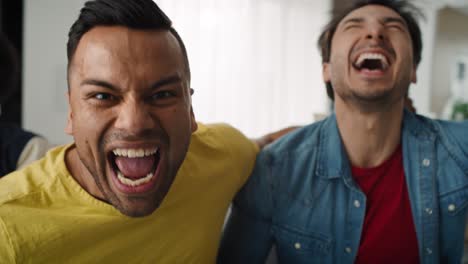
373	183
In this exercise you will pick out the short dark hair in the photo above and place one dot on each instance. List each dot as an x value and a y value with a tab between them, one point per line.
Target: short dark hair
409	12
9	68
134	14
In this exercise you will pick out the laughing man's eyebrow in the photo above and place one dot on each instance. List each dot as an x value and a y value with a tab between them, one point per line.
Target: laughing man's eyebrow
107	85
386	20
394	19
353	20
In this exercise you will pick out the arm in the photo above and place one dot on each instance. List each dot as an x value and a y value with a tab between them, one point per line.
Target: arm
247	237
271	137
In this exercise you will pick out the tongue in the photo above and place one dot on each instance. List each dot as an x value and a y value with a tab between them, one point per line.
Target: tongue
135	167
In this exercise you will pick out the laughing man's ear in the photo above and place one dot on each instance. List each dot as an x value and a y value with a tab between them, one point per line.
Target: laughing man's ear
326	75
69	125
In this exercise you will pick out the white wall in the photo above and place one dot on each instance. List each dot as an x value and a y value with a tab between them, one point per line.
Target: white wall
451	42
421	91
255	63
46	27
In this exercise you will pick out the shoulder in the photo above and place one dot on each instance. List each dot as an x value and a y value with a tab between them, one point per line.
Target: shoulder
222	147
302	140
225	138
450	133
32	179
455	130
277	168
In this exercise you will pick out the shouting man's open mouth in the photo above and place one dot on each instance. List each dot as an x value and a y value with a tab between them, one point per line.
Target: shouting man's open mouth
135	170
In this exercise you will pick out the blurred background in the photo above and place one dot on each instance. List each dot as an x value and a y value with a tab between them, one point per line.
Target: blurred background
255	63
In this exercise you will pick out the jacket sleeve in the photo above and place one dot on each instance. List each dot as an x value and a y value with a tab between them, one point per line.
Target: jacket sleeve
247	236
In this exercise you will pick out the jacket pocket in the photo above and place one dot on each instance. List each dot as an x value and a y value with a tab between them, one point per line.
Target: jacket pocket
453	207
454	202
298	247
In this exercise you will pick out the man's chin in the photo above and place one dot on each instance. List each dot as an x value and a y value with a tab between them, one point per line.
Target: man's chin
137	207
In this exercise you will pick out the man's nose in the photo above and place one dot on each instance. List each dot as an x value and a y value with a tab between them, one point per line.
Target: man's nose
376	32
134	118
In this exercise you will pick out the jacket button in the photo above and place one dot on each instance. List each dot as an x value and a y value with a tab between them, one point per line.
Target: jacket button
426	162
451	207
297	245
357	204
429	251
348	250
429	211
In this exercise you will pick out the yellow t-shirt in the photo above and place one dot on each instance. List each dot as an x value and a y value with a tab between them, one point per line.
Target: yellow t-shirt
46	217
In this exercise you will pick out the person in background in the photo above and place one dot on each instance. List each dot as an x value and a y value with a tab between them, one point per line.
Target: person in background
143	182
372	183
18	147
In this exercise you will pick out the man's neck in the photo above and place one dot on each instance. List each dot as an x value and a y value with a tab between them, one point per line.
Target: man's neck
370	138
81	174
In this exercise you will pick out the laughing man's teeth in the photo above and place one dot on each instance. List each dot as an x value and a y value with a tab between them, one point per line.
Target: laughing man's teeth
133	183
372	56
134	153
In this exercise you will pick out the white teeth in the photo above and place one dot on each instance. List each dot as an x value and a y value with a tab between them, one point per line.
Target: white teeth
133	183
123	152
372	56
134	153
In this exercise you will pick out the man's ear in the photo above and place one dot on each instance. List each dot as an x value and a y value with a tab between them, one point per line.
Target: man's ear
414	77
69	125
193	122
326	74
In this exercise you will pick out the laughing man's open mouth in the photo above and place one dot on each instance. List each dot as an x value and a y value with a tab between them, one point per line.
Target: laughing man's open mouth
371	62
135	167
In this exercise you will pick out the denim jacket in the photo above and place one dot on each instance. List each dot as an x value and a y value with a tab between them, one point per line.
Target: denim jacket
302	198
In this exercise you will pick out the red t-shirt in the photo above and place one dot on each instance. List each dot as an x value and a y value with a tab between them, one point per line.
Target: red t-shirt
388	234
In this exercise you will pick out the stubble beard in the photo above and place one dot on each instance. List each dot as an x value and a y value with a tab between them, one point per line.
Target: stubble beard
96	167
373	101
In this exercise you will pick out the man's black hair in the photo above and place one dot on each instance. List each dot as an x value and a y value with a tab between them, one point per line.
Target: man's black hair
9	68
409	12
134	14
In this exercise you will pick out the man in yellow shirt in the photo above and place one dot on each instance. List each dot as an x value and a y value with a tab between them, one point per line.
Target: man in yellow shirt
143	182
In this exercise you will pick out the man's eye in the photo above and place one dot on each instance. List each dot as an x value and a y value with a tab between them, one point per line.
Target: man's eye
395	26
103	96
352	26
162	95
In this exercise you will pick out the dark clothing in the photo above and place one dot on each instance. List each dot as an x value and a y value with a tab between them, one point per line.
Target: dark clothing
13	139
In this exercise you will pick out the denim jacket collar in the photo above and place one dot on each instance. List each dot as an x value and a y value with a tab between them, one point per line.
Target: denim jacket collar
332	158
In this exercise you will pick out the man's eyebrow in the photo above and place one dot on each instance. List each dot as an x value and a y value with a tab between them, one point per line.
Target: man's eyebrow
394	19
107	85
100	83
166	81
353	20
